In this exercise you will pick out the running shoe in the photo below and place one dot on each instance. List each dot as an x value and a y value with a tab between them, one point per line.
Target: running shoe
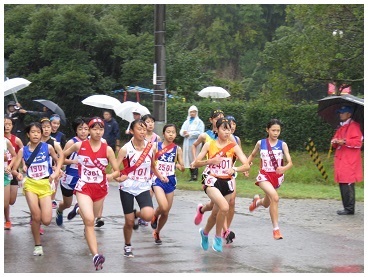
99	222
98	261
277	234
156	237
8	225
225	234
142	222
59	217
199	215
253	206
204	240
154	222
128	251
54	204
42	231
38	251
217	244
230	237
73	213
135	224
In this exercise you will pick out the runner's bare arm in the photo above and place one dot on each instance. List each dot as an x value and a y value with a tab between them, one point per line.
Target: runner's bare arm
179	164
113	161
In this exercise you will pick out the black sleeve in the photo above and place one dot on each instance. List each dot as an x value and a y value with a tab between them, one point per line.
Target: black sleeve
63	141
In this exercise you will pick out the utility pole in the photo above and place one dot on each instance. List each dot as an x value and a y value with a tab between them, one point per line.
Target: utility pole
159	74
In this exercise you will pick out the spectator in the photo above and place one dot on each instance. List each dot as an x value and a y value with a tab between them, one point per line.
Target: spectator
348	169
111	131
136	116
17	114
190	130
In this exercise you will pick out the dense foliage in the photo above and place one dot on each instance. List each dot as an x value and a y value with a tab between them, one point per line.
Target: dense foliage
277	54
300	122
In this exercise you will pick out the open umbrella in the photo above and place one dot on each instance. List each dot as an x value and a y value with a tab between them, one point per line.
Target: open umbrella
53	107
214	92
101	101
328	106
13	85
125	110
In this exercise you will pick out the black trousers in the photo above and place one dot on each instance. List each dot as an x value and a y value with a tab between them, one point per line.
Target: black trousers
194	174
348	196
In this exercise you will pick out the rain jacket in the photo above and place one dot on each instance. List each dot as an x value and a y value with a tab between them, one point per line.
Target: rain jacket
195	128
347	159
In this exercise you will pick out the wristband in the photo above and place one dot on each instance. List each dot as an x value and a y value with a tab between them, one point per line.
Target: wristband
234	168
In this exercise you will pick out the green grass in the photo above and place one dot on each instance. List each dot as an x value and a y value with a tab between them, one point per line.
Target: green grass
293	190
303	180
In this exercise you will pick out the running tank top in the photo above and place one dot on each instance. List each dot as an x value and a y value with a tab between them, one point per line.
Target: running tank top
88	170
41	167
166	163
143	172
15	146
265	161
220	170
71	175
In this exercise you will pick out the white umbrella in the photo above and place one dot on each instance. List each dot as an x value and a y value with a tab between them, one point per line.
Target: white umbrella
125	110
13	85
101	101
214	92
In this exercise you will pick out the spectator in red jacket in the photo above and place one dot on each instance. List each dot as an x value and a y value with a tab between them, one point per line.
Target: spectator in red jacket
348	169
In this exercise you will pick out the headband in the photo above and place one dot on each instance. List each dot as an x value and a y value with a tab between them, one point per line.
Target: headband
231	118
216	112
95	120
54	116
44	119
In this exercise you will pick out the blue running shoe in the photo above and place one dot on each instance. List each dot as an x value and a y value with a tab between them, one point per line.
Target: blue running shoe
59	217
204	240
217	244
73	213
142	222
98	261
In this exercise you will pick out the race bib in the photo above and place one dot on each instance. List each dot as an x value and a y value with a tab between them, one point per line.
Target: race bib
210	181
222	168
91	175
166	169
38	171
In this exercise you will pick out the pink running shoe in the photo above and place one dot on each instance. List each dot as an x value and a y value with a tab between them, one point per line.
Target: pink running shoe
199	215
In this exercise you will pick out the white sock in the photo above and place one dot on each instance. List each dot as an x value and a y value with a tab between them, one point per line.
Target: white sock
276	228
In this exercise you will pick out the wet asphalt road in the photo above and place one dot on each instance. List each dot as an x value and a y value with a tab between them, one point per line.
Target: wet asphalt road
316	240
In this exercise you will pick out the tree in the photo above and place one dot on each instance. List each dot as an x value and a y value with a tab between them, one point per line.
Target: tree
320	44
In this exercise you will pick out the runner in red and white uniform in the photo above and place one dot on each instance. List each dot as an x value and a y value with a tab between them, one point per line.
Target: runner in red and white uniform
13	189
92	185
271	173
135	180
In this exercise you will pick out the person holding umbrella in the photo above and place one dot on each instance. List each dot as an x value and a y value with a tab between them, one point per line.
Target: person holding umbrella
18	114
347	141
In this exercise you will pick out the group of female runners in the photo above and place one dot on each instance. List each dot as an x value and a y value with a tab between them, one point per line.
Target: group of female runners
145	166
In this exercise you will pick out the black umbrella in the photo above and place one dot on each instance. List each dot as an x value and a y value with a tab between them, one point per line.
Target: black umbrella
53	107
328	106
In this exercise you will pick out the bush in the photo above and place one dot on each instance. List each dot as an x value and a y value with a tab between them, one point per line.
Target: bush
300	122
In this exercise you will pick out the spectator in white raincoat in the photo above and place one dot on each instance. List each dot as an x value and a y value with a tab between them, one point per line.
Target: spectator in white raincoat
190	130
